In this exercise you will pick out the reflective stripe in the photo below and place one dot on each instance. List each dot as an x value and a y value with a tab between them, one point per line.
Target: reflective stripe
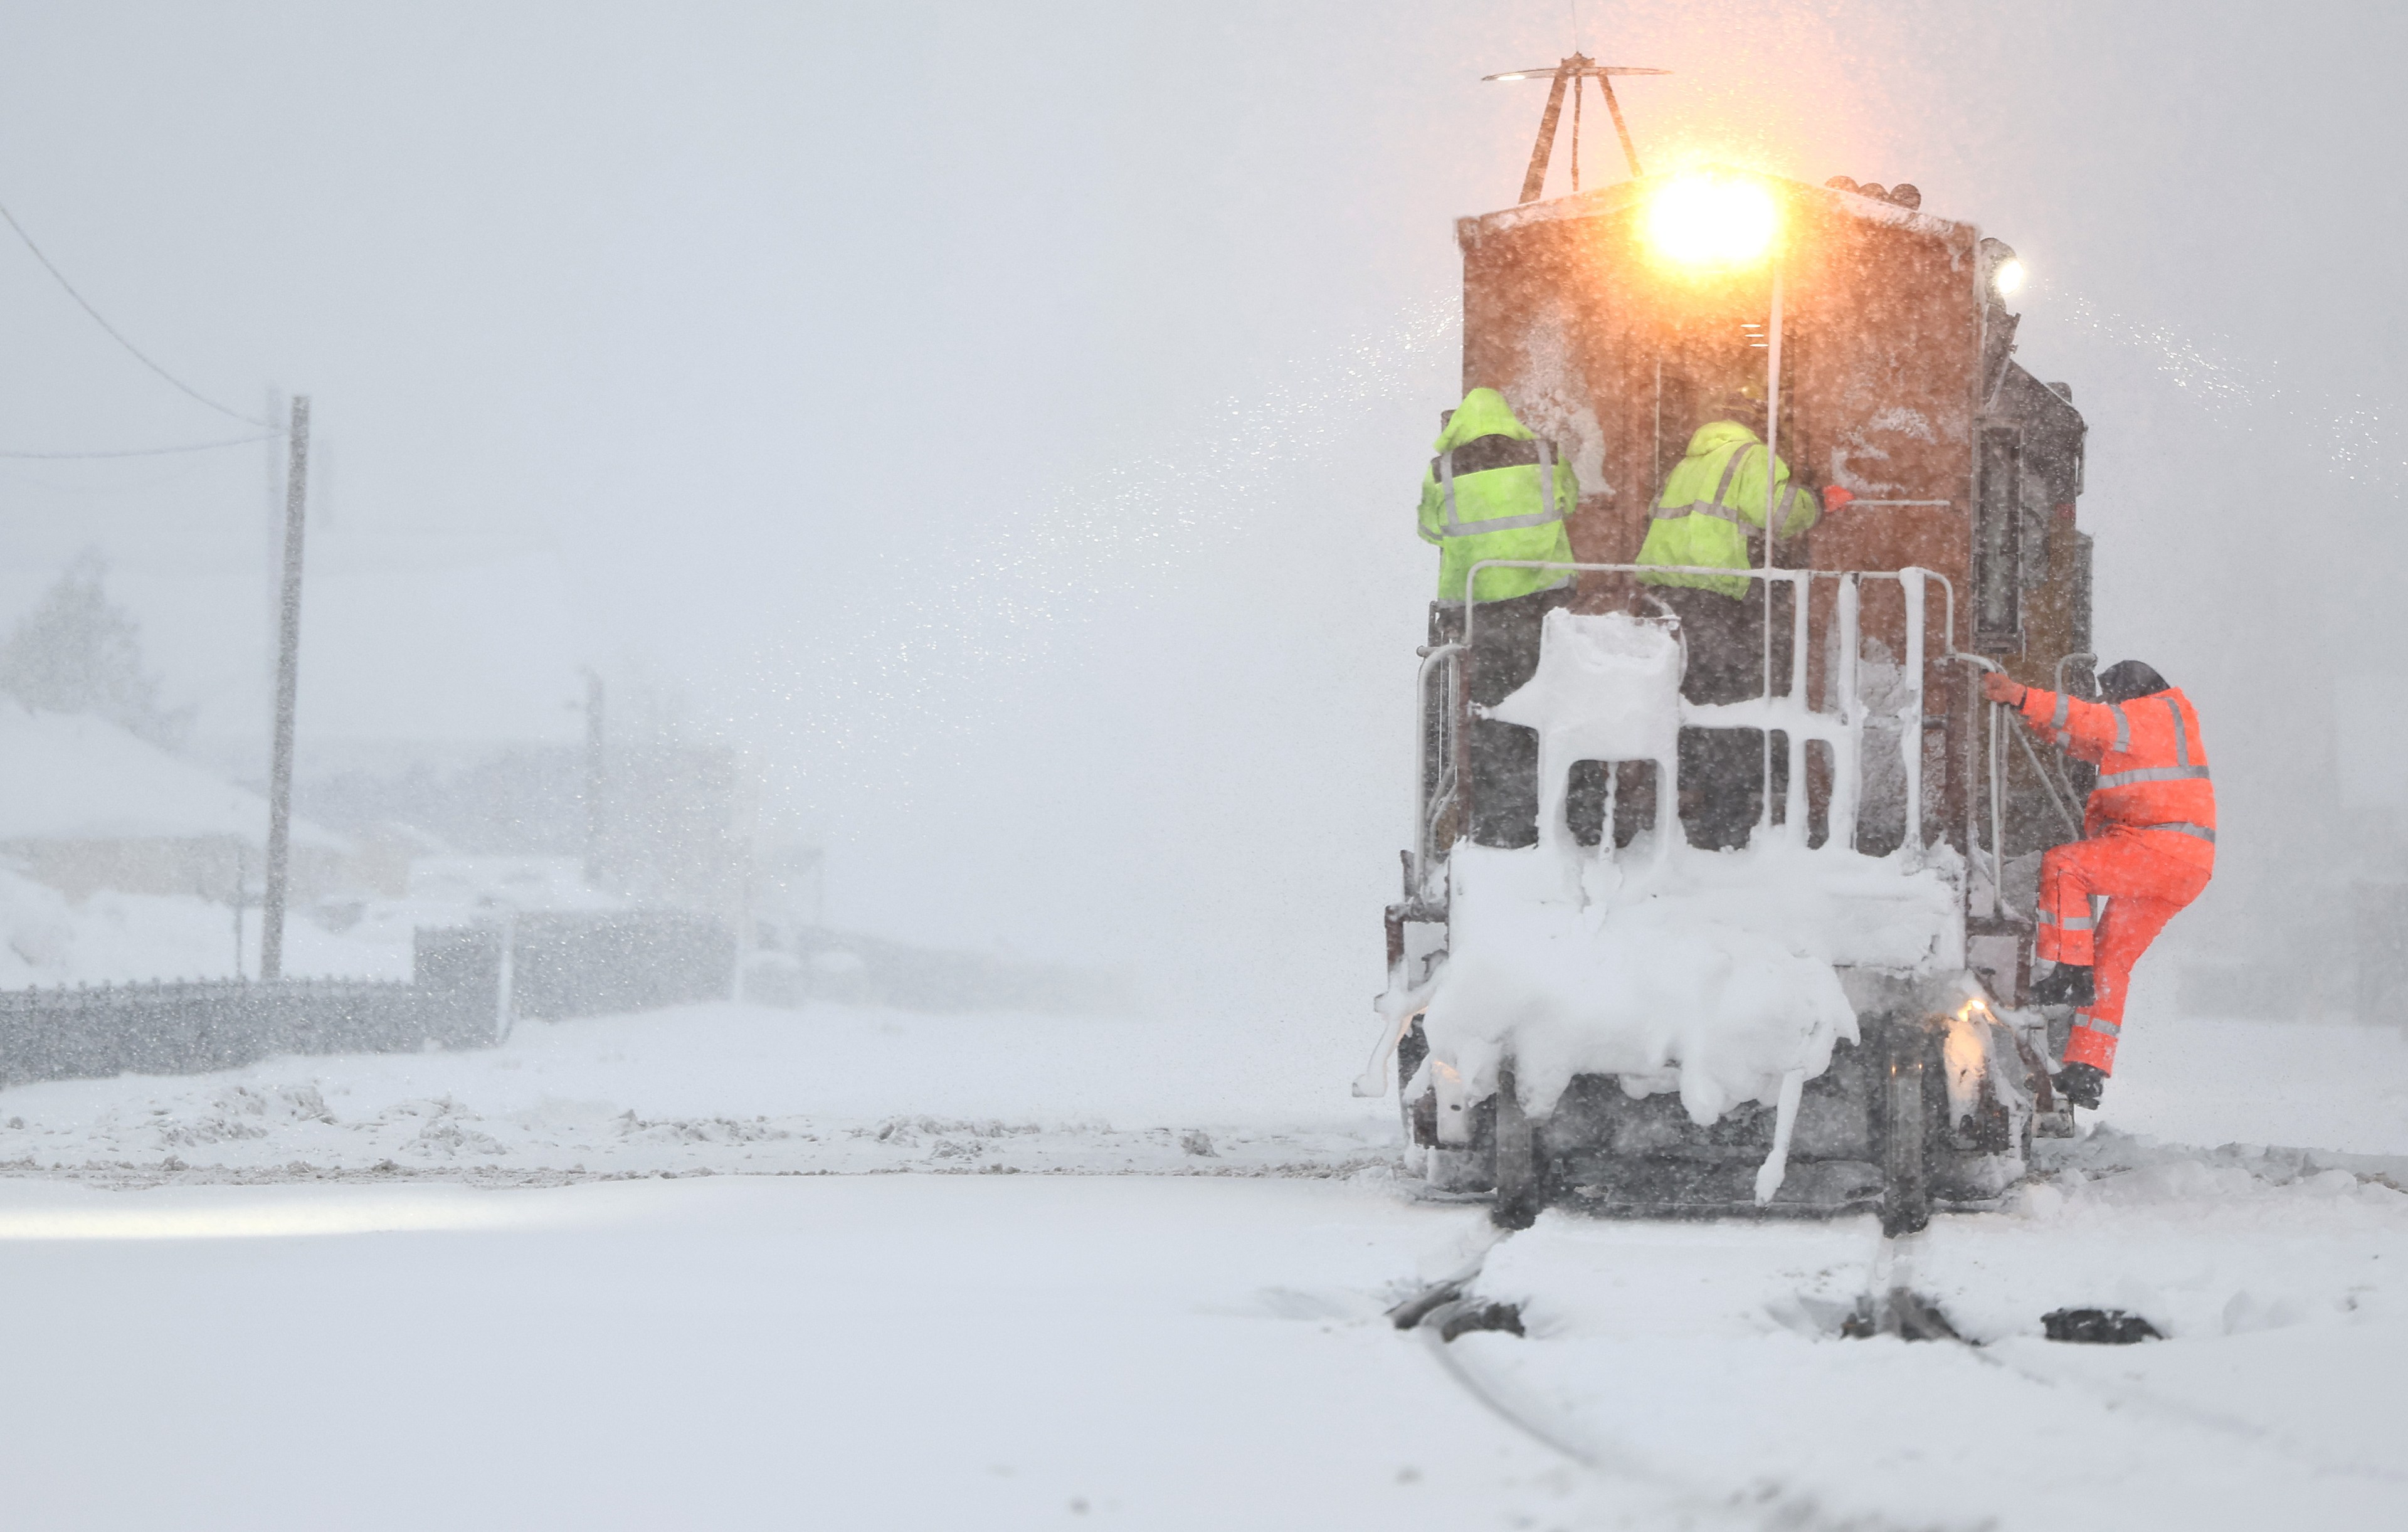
2064	740
1458	527
2123	730
1497	523
2180	827
1730	471
1713	508
1721	510
2104	1028
1699	507
2068	923
2153	774
1786	506
2181	736
2064	706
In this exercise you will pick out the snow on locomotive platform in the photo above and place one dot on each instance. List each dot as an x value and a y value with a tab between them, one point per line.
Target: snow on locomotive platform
1714	974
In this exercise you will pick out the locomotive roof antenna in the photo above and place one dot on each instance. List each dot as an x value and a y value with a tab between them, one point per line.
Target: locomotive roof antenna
1571	71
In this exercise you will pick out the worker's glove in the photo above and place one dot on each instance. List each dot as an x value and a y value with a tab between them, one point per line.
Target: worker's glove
2067	984
1834	497
2000	687
2082	1084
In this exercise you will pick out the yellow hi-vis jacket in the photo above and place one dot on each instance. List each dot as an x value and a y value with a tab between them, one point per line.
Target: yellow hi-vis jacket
1709	500
1495	491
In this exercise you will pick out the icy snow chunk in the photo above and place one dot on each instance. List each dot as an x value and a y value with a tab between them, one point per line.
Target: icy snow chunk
1655	992
1608	688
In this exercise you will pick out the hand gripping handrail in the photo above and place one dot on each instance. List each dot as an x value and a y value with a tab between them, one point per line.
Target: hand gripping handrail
2090	660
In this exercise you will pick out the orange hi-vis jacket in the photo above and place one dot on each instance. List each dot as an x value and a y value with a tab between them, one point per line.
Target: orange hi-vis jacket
2152	766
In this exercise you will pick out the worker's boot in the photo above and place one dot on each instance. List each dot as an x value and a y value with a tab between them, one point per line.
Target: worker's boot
2067	984
2082	1084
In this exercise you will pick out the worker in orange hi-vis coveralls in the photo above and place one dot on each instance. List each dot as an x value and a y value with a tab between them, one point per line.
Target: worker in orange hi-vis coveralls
2148	847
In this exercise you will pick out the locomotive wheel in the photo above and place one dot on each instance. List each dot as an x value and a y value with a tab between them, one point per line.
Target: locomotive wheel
1520	1189
1906	1190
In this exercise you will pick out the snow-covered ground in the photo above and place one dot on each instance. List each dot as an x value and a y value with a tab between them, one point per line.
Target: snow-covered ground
840	1352
405	1315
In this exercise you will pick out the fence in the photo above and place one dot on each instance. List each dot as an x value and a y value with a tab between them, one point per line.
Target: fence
560	966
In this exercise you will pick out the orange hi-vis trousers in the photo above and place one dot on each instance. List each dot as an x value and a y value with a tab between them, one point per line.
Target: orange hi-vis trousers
2145	887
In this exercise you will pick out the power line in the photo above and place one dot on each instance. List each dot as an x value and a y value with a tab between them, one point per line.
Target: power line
154	451
132	350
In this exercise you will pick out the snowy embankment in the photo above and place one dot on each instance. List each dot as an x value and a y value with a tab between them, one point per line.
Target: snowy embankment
106	937
831	1089
111	937
729	1089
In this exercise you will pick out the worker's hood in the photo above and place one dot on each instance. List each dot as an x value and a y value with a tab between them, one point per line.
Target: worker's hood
1483	413
1716	434
2128	680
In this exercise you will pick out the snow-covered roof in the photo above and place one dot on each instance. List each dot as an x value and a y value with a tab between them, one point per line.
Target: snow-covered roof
73	776
1615	197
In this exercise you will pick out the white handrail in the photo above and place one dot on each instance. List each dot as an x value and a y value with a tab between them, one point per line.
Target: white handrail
1799	722
1430	797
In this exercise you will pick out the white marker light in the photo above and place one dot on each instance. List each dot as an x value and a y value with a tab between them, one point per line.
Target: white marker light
2008	279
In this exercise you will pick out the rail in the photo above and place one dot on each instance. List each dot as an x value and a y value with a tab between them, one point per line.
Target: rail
1435	793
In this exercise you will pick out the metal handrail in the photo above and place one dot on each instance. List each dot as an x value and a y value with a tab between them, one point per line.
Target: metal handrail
1430	799
2048	780
1800	579
2092	660
1752	572
1991	731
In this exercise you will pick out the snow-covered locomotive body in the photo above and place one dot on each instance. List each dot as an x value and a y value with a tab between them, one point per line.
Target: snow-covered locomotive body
1615	1016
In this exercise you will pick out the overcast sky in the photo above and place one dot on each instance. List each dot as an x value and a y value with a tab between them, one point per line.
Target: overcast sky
1005	420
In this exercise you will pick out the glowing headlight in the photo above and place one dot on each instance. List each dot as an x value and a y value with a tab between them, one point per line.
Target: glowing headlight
1705	220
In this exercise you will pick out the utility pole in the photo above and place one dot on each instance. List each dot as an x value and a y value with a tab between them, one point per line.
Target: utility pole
598	784
271	553
288	676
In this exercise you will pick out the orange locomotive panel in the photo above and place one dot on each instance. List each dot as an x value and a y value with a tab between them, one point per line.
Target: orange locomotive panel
1897	385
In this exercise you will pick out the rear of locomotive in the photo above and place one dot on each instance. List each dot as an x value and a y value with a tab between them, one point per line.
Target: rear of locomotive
1898	818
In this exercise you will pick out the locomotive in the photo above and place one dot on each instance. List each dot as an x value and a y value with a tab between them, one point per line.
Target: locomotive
1626	1016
